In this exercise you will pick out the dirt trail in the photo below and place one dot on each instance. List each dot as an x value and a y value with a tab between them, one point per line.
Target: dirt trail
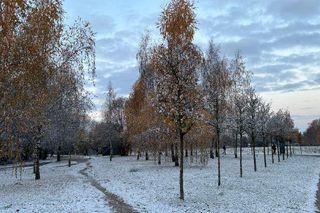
114	202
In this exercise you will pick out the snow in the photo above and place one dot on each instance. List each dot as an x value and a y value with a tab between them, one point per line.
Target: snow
61	189
288	186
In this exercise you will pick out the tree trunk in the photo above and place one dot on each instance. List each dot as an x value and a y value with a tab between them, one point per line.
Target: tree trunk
284	148
218	152
176	158
240	154
110	144
37	158
172	153
166	152
211	149
254	151
236	147
290	142
159	158
59	154
147	155
181	165
287	149
278	148
69	161
138	156
186	152
264	152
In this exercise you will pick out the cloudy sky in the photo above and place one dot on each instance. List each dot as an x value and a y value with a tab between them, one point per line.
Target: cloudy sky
279	39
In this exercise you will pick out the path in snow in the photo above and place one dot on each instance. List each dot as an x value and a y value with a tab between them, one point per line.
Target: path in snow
60	189
115	202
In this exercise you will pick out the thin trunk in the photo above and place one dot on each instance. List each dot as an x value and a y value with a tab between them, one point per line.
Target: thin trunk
110	144
191	150
176	158
240	153
138	156
147	155
287	149
166	152
69	161
254	152
278	148
290	148
211	149
37	156
264	152
181	166
300	149
236	147
186	152
59	154
34	165
272	149
218	152
159	158
283	150
172	153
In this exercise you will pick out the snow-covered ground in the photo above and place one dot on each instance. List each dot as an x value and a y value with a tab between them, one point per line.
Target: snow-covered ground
288	186
61	189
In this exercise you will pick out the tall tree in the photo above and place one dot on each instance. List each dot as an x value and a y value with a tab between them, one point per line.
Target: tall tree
241	84
262	126
252	121
216	85
175	62
108	113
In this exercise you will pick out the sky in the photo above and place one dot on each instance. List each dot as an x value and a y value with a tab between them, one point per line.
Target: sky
280	41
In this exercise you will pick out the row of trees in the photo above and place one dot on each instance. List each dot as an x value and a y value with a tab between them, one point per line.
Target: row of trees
183	95
44	65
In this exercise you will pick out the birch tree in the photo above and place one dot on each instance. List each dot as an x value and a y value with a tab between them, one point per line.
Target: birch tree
34	46
241	84
175	62
252	121
263	121
216	85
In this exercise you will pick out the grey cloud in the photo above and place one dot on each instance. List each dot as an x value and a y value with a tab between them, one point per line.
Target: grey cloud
273	68
116	49
294	9
122	81
297	39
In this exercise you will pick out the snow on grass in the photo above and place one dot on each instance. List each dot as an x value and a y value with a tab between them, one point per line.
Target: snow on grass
288	186
61	189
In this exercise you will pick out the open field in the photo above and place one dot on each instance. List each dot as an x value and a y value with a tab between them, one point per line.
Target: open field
288	186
